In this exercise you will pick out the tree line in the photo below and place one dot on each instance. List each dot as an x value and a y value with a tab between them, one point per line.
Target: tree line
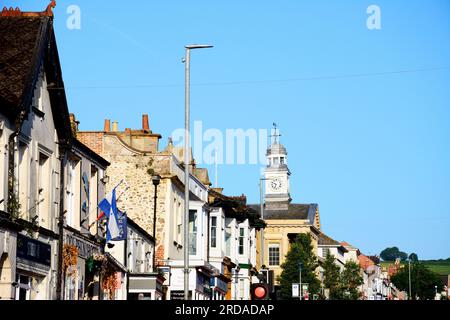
344	283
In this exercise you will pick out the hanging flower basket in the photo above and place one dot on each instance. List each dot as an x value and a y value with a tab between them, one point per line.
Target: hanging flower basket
70	258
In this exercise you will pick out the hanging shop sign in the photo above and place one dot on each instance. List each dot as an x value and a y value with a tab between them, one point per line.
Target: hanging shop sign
85	248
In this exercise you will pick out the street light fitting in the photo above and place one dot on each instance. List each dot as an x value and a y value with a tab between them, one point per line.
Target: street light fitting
156	180
198	46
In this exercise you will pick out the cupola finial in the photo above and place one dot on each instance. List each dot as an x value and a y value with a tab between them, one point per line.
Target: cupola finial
276	134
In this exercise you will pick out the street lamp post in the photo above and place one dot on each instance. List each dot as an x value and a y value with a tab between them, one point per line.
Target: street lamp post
409	276
300	278
187	61
156	180
261	256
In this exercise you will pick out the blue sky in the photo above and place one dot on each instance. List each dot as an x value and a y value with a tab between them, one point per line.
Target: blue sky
372	150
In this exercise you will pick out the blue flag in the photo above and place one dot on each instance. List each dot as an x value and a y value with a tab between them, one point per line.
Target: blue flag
122	223
109	207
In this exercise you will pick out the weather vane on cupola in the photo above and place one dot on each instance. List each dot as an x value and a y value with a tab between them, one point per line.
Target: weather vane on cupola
276	134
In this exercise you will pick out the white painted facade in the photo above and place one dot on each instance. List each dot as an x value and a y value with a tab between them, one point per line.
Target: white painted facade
36	186
8	238
198	236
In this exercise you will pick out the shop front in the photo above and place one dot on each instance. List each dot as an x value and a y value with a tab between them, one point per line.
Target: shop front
81	266
145	286
219	287
8	246
34	279
203	283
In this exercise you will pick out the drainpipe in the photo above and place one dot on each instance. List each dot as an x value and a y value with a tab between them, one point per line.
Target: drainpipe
11	155
208	233
59	281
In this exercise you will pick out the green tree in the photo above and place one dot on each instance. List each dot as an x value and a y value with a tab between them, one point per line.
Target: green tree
332	278
413	257
351	279
423	281
390	254
301	251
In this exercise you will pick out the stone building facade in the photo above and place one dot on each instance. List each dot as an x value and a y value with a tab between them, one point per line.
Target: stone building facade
284	219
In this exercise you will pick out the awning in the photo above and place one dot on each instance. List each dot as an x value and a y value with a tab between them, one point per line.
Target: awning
205	271
115	263
145	282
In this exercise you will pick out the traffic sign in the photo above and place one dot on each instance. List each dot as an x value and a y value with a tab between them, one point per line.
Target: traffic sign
295	290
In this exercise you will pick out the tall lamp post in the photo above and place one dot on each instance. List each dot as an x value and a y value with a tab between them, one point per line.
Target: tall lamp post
156	179
300	265
262	218
187	61
409	276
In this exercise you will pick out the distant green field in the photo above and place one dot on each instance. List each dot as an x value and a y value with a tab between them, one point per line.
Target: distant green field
440	267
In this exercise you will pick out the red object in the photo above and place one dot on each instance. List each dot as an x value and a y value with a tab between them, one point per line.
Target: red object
100	216
260	292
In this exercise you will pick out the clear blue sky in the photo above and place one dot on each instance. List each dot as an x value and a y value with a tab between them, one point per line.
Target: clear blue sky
373	151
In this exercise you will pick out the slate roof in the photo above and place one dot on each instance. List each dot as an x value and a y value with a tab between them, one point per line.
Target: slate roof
20	39
326	240
27	44
295	211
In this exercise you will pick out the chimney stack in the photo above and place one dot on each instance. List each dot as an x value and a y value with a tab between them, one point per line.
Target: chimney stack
115	127
73	124
145	125
107	125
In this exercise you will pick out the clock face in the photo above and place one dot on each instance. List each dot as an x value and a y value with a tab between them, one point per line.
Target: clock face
275	184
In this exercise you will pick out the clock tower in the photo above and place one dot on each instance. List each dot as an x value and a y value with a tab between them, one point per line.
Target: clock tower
277	195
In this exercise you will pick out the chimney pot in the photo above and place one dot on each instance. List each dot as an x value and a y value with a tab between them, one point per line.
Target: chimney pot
115	127
107	125
145	125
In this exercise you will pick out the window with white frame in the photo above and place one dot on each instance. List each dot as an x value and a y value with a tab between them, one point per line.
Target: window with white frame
93	196
228	240
274	254
23	179
23	290
241	240
179	221
213	232
43	186
193	232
